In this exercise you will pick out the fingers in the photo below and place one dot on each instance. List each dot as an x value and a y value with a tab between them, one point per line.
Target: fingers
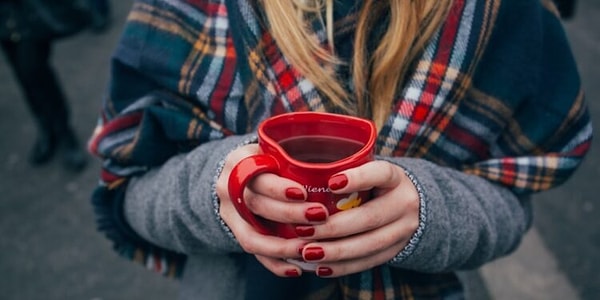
350	241
337	269
271	251
280	267
375	174
395	196
367	243
230	161
368	235
282	200
379	212
255	243
360	252
270	196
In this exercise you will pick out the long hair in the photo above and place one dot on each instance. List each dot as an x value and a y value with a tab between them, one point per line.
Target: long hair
376	75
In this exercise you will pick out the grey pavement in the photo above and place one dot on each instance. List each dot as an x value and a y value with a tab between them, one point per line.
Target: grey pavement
49	248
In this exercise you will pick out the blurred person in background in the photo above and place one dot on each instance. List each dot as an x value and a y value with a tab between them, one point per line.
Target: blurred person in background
100	13
28	30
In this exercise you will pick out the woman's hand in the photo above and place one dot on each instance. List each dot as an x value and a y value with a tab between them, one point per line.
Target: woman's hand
273	198
345	243
371	234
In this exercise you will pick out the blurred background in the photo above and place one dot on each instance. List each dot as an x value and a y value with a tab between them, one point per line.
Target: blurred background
49	247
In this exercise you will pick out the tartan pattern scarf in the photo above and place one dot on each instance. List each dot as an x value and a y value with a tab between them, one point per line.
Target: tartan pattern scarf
223	73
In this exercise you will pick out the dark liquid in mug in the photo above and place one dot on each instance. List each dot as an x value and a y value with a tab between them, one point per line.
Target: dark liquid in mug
319	149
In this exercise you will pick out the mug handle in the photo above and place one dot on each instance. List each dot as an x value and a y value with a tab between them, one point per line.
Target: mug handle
241	174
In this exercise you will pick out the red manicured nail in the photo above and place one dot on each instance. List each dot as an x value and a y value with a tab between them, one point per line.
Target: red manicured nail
324	271
304	231
337	182
313	253
316	214
292	273
294	193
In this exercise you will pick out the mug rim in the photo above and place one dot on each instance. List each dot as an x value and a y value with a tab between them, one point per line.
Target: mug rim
364	151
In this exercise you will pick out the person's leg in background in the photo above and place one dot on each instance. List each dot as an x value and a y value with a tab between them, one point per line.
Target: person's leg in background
30	60
100	14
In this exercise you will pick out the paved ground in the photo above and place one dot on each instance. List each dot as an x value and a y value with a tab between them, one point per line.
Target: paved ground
49	248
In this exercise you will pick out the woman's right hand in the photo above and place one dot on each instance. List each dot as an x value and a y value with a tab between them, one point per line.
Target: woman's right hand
274	198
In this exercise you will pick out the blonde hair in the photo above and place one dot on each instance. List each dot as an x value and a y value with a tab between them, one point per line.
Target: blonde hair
376	78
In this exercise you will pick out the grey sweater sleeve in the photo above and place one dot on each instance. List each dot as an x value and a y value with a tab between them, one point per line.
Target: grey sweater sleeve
175	206
465	221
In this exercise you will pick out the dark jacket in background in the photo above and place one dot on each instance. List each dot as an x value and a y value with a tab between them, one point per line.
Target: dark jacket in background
42	19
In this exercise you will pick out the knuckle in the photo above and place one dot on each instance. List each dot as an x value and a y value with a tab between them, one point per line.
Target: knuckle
252	202
264	184
391	171
231	160
360	173
373	220
334	253
247	241
221	189
248	245
288	214
280	251
326	230
381	242
414	205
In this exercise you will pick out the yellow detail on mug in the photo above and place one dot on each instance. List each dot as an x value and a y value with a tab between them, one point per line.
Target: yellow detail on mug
351	202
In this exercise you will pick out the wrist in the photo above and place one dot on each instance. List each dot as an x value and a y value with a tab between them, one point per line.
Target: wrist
416	237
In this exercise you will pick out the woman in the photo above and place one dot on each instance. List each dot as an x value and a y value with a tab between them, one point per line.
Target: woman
477	102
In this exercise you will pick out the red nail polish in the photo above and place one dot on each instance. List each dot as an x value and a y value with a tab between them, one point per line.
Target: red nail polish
337	182
294	193
304	231
292	273
316	214
313	253
324	271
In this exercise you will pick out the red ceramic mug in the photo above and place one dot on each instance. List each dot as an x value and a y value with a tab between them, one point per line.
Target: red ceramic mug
307	147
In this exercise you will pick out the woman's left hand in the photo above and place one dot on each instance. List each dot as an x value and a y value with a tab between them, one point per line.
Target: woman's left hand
371	234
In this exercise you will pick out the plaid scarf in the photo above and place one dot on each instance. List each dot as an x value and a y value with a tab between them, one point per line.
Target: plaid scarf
463	107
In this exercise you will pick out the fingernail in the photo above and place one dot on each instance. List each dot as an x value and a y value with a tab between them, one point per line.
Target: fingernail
324	271
292	273
337	182
304	231
313	253
316	214
294	193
